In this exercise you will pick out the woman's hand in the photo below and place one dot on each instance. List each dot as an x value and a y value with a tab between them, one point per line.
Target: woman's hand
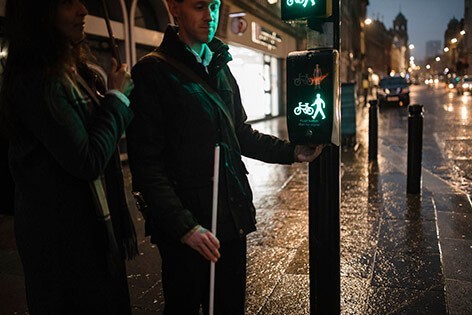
119	79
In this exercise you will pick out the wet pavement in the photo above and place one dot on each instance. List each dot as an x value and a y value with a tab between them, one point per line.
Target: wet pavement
400	253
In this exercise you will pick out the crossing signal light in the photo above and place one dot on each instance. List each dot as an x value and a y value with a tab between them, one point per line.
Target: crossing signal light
299	9
313	103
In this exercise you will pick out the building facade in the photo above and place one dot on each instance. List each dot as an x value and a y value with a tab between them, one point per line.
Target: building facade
258	38
259	43
353	14
455	47
433	49
378	48
400	53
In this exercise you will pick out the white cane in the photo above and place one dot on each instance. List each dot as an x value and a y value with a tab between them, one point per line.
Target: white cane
216	177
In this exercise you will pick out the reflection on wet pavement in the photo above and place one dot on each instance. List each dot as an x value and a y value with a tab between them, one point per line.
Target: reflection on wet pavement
390	262
390	258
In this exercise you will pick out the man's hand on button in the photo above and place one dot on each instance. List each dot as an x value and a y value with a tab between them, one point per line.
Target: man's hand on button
307	153
204	242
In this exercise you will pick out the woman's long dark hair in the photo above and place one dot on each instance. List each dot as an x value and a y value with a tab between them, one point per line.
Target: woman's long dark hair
37	54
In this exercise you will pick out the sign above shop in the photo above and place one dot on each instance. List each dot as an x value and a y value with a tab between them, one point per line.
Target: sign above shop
265	37
238	25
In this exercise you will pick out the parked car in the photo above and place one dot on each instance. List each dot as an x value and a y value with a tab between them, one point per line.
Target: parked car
464	85
394	90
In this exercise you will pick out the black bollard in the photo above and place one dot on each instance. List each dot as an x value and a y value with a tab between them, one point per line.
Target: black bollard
415	148
373	129
324	200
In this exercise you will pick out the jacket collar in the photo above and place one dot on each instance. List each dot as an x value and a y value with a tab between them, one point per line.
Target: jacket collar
173	46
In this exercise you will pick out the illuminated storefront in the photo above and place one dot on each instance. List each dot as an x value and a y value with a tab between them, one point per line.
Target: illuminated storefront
258	78
259	51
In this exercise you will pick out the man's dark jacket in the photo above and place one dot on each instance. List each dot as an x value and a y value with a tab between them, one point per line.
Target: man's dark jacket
172	138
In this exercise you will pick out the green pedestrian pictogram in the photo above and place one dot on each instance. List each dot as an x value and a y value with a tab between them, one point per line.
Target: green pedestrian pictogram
320	105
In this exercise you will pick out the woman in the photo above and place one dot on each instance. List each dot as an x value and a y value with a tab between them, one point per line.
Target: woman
63	136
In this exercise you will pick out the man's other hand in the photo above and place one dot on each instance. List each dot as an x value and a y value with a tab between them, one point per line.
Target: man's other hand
204	242
307	153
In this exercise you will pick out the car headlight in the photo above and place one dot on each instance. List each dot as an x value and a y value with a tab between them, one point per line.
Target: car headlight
387	91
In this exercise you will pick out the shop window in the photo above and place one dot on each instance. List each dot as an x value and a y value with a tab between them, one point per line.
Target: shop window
152	15
258	78
115	12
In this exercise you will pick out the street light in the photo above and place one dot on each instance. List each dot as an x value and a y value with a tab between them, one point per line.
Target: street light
462	33
446	49
411	46
454	40
438	58
368	21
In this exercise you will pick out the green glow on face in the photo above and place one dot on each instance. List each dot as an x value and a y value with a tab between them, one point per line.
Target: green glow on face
303	3
313	110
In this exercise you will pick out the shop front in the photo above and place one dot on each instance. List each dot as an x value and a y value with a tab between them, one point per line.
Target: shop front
259	51
258	48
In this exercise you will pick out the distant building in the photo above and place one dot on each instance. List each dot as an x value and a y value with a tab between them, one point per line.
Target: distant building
433	48
455	49
378	43
400	52
353	14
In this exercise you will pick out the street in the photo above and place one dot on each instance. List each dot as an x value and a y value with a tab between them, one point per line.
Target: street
392	260
447	141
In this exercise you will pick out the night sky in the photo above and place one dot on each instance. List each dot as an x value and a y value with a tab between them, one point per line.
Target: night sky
427	19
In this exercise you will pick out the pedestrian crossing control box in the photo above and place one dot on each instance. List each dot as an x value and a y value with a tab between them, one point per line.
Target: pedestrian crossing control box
313	97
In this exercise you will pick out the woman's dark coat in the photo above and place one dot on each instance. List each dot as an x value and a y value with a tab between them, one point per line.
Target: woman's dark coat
60	241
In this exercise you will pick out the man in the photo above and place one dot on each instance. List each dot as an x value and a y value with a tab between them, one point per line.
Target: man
365	89
170	147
